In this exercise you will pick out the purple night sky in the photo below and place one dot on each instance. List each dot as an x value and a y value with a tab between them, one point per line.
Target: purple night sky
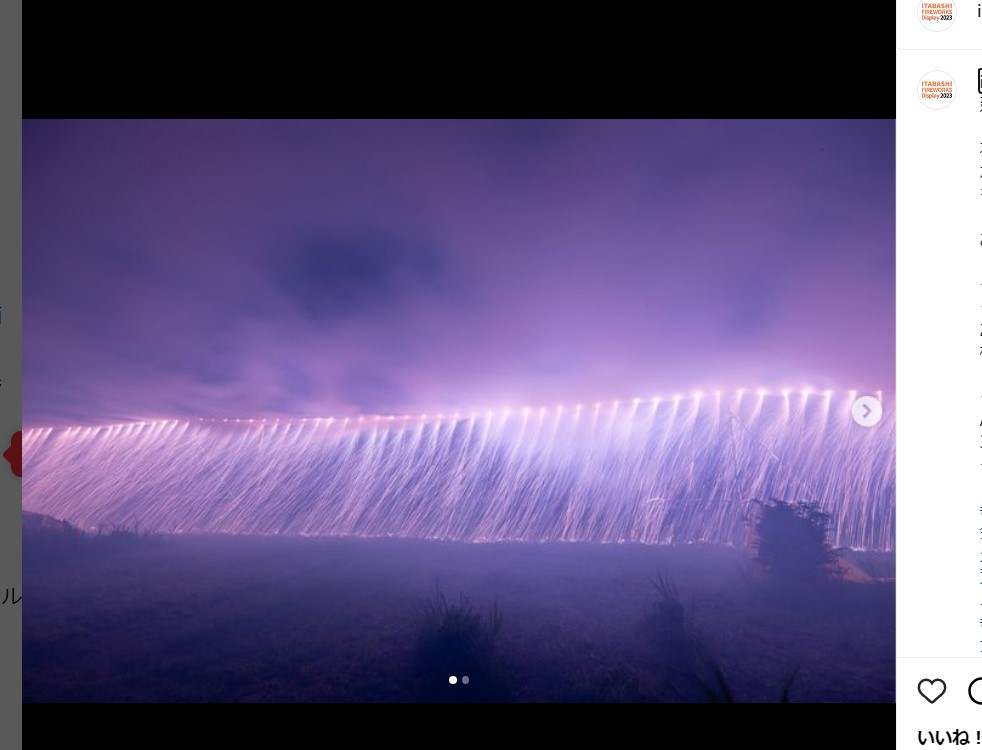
253	268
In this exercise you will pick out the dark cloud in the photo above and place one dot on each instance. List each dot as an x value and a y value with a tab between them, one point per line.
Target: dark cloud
338	276
257	268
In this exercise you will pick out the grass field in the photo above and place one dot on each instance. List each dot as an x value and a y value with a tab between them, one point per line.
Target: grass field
229	619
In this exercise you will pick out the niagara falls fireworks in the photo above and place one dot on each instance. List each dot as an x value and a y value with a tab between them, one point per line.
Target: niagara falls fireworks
512	266
330	411
663	470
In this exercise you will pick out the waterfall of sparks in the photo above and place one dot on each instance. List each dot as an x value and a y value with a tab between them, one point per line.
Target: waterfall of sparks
658	471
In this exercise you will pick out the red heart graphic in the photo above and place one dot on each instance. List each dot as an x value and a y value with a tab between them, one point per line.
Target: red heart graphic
13	453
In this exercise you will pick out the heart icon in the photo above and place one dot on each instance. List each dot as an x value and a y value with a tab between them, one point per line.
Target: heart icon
931	690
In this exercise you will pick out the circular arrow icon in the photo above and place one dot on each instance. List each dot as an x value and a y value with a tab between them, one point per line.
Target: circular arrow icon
867	411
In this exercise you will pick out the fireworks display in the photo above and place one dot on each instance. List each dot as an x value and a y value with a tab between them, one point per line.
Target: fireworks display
669	470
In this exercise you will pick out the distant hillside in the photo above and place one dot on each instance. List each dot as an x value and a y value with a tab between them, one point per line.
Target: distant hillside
38	523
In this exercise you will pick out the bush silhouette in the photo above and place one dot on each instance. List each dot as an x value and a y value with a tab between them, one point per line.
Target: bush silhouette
666	620
458	639
791	541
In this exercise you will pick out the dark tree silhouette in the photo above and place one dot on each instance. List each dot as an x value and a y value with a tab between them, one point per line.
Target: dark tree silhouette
791	541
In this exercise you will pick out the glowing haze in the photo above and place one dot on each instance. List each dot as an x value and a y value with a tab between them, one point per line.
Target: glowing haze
261	269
